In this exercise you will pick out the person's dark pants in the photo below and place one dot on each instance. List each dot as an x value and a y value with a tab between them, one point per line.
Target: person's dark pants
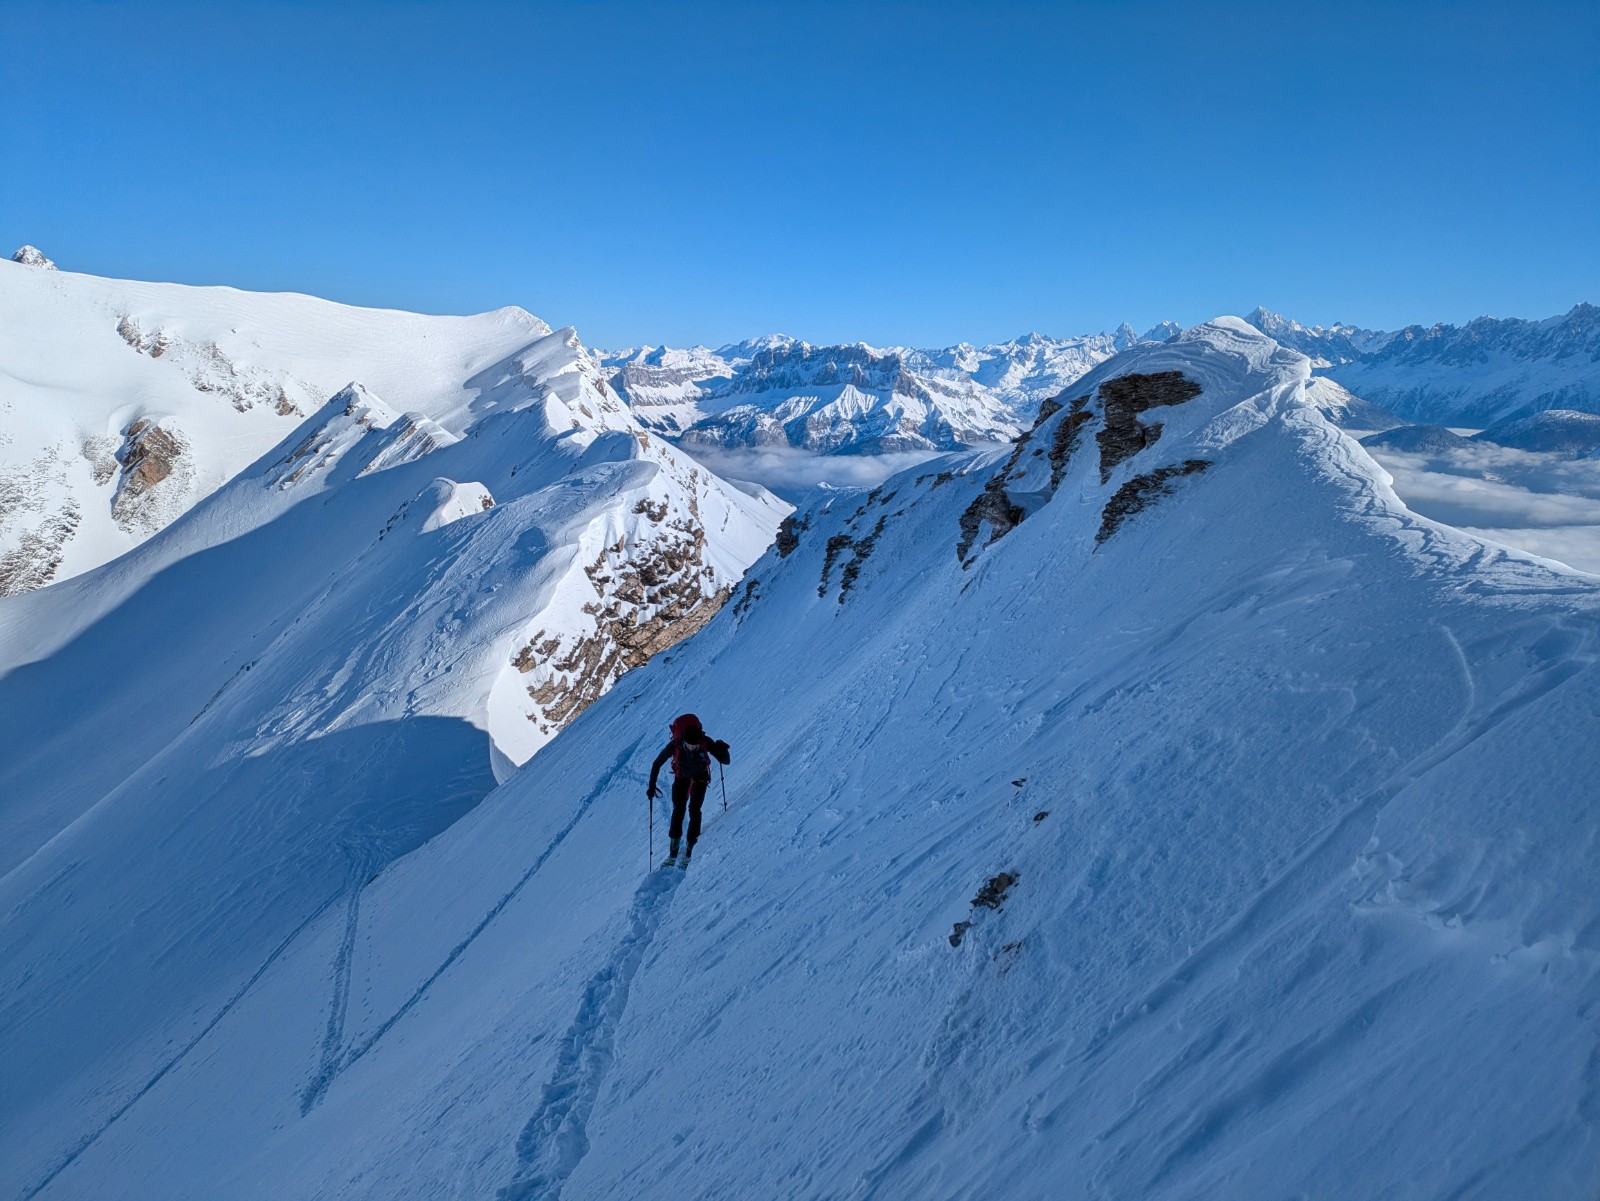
690	794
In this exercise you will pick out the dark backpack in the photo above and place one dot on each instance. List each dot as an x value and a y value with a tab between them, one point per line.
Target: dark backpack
692	762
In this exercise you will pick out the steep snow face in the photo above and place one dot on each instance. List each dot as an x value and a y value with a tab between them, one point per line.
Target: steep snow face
1153	808
777	392
1487	371
122	403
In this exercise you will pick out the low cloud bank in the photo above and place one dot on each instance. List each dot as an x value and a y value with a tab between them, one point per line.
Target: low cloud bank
1537	502
793	473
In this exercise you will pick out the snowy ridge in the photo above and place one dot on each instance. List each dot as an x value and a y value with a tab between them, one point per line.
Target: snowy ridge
125	403
1101	825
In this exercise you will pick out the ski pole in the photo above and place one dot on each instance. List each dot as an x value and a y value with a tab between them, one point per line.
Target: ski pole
724	781
650	855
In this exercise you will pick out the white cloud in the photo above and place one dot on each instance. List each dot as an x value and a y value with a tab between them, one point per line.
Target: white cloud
1535	502
793	473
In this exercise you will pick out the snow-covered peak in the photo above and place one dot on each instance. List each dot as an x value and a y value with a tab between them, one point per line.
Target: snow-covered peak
193	384
32	256
739	353
1554	431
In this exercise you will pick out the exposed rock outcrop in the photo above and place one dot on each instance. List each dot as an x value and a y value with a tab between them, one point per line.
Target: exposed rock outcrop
151	454
209	369
649	593
36	558
1123	399
788	538
1142	491
1020	486
994	505
32	256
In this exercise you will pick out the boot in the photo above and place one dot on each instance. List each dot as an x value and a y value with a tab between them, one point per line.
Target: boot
672	854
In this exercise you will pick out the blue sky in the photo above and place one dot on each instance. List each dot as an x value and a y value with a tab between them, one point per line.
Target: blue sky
912	173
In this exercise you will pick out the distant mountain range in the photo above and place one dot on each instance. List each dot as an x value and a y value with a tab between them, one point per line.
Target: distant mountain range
127	403
856	398
777	391
1485	372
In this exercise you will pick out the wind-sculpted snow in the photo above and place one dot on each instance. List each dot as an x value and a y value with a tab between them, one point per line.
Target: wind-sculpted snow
1263	829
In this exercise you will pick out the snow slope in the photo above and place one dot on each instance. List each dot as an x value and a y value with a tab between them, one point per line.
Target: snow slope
310	673
124	403
1132	812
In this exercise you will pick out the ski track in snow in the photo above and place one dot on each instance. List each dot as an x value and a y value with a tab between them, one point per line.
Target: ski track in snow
556	1138
216	1019
333	1063
333	1040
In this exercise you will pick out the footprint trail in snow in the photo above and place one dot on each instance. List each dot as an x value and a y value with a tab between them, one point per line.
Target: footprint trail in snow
556	1138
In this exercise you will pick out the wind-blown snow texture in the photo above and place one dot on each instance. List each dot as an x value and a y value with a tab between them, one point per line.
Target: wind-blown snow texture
1269	804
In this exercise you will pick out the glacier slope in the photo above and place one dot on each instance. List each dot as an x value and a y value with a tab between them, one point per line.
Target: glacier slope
1281	795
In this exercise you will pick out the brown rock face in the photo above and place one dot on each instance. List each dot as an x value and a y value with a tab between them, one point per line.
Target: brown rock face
1124	398
149	455
649	596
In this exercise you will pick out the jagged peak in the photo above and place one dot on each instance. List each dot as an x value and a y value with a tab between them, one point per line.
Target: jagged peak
1268	322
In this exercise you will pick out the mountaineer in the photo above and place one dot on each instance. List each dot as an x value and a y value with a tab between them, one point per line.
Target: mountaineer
691	752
